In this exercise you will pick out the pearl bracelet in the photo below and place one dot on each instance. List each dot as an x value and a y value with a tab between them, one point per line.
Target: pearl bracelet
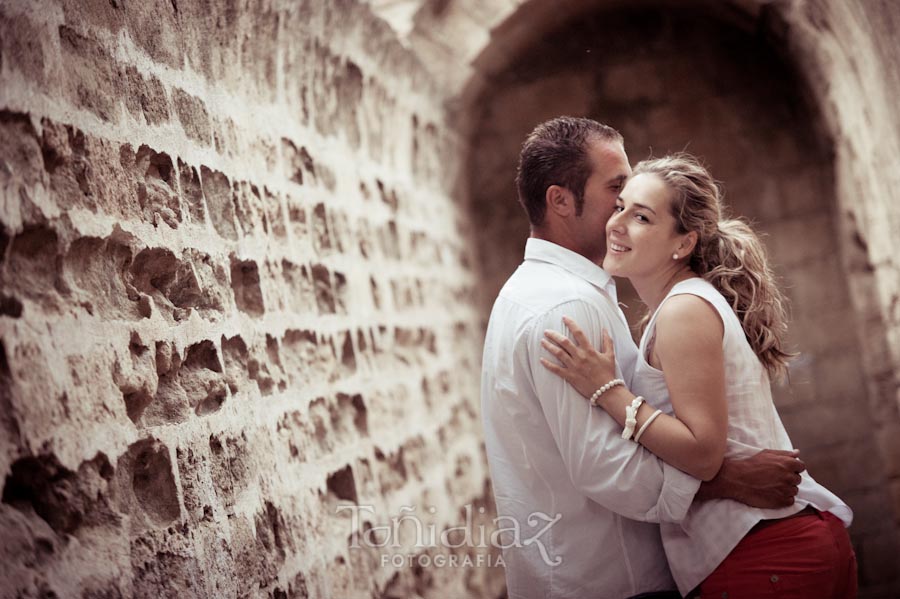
631	416
596	396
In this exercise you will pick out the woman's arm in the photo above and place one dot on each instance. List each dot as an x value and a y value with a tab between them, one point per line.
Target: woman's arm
689	349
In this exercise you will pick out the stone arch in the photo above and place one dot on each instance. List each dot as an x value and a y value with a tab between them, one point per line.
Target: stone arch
818	152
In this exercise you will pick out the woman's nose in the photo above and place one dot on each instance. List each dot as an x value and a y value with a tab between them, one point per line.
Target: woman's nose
614	222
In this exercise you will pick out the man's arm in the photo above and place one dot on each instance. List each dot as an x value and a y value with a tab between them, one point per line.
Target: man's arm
616	473
767	479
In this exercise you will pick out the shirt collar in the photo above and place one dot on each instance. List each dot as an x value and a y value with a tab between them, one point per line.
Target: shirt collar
542	250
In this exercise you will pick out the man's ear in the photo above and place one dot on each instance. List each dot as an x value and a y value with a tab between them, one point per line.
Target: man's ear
560	201
688	243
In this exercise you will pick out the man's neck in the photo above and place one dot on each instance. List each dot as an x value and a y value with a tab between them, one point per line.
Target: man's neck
566	242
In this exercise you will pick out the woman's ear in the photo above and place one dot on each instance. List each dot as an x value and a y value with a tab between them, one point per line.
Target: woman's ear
560	201
688	243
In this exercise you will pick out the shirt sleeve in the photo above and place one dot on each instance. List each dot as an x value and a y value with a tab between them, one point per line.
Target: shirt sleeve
618	474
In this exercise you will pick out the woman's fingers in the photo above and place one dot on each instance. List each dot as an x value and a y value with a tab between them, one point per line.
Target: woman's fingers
562	341
608	345
559	353
580	338
555	369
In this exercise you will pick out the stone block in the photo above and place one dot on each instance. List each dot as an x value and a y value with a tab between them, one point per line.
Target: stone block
92	77
146	95
219	195
154	27
22	47
193	115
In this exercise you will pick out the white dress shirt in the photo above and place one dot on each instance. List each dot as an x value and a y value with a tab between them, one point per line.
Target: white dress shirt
712	528
551	454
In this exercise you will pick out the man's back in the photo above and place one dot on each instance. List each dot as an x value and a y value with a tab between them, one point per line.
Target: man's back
560	472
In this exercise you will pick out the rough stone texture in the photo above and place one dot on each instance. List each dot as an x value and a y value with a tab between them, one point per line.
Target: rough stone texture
247	250
198	202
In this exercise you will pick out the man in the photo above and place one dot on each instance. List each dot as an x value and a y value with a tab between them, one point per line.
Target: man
577	503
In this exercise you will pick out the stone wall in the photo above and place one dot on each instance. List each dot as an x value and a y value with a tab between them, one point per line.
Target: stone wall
234	296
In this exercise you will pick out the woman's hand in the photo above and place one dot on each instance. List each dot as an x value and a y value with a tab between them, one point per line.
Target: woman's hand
585	368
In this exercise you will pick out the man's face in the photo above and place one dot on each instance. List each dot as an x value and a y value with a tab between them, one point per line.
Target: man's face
610	171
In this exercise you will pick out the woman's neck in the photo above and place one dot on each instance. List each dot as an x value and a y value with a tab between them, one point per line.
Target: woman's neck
653	289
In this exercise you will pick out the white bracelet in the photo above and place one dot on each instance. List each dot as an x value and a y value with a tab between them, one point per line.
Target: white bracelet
596	396
631	416
644	426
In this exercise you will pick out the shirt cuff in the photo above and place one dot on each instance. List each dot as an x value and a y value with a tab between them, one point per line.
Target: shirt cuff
678	491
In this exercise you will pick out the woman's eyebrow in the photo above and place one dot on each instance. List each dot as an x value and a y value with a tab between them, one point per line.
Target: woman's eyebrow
638	204
645	207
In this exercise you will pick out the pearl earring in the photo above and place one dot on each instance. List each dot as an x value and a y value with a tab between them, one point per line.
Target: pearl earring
675	256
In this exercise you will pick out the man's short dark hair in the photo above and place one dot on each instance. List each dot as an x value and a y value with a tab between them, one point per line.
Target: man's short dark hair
556	153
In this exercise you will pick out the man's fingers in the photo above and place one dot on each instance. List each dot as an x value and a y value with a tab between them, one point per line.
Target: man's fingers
798	465
793	453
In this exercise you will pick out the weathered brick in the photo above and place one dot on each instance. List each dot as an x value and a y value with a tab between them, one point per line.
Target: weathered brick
92	77
146	96
193	115
22	47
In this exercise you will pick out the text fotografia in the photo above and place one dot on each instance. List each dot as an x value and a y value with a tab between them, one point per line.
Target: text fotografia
409	560
506	532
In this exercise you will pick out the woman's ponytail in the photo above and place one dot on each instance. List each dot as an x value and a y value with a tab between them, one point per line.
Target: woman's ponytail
735	262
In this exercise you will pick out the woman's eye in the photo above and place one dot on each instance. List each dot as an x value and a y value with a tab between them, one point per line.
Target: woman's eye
642	218
619	208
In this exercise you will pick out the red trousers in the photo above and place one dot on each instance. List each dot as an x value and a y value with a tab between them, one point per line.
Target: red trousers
806	557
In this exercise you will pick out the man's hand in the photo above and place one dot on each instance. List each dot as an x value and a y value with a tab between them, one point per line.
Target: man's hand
768	479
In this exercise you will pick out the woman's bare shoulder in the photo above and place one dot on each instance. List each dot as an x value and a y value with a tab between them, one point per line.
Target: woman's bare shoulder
687	315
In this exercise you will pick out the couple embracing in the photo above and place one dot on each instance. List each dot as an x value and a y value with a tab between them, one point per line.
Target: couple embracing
666	464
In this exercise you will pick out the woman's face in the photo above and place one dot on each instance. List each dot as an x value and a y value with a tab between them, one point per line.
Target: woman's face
640	235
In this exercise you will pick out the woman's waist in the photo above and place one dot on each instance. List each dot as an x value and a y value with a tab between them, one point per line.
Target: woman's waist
809	510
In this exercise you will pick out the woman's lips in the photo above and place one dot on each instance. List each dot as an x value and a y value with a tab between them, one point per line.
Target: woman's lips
617	247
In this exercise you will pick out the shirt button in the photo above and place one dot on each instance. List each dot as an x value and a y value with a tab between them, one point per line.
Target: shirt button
774	578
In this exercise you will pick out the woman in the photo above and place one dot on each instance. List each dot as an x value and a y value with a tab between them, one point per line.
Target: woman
701	387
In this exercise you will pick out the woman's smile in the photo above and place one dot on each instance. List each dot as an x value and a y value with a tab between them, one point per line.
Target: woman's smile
618	248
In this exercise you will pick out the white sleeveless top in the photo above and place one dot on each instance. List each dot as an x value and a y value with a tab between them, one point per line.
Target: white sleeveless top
712	528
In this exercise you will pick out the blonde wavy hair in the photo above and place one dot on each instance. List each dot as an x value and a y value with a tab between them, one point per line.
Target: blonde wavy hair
728	254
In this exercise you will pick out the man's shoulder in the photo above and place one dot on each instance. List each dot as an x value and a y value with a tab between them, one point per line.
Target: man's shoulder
537	289
541	283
